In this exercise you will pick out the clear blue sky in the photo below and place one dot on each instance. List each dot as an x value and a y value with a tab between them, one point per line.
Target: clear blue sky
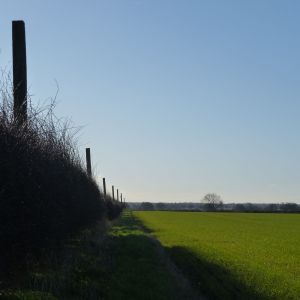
177	98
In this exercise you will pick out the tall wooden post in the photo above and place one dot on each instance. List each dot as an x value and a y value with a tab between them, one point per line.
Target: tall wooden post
113	192
118	194
88	161
104	188
19	71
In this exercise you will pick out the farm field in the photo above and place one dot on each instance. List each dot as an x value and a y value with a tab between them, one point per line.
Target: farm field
232	255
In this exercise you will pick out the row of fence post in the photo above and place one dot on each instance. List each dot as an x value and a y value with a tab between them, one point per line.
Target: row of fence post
20	89
89	172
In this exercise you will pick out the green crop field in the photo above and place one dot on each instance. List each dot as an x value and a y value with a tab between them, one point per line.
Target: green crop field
233	255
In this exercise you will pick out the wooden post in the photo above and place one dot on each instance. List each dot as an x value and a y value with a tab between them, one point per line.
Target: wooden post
19	71
113	192
88	161
118	194
104	188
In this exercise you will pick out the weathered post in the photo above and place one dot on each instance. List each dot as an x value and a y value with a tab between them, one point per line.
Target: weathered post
88	161
104	188
118	194
19	71
113	192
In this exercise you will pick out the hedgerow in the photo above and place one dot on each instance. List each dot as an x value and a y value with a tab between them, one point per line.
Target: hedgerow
45	192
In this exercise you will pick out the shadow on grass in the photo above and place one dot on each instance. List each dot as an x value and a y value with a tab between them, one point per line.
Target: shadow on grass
130	223
211	279
137	272
126	265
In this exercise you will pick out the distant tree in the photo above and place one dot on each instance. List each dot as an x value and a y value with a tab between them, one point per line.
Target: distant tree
190	206
239	207
272	207
147	206
246	207
251	207
160	206
289	207
212	202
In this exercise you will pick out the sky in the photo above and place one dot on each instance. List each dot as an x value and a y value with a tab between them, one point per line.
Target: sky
176	98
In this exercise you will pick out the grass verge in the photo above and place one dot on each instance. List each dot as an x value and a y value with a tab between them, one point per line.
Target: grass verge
121	264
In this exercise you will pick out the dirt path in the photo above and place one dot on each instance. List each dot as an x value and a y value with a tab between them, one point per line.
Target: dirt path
186	291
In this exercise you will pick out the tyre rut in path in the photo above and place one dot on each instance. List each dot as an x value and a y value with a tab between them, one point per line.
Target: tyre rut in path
186	291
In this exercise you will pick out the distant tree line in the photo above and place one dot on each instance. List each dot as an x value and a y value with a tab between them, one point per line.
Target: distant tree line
229	207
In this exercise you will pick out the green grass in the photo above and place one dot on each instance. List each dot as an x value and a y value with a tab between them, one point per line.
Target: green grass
123	263
140	272
233	255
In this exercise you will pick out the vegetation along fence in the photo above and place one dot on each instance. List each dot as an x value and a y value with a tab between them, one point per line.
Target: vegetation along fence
46	192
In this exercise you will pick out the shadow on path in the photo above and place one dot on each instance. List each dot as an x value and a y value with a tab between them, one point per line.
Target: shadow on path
139	270
211	279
